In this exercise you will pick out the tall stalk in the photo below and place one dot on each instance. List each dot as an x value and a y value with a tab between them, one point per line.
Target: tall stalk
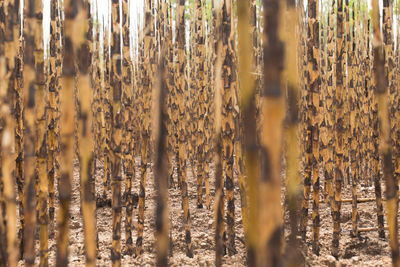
8	60
85	133
339	133
227	118
293	121
160	160
353	98
75	16
52	110
29	140
116	134
128	141
201	96
385	146
273	109
19	140
219	206
181	131
148	57
329	111
41	132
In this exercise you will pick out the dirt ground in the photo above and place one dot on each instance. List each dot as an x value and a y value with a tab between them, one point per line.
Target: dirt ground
202	230
367	250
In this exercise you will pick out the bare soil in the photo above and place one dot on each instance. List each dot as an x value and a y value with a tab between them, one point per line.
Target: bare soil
366	250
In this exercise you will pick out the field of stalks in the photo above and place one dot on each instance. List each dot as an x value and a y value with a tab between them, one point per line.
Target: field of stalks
199	133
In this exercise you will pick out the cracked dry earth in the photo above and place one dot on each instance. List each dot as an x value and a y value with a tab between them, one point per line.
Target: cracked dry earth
367	250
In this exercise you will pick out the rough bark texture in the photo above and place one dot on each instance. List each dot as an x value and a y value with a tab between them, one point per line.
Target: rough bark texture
29	124
8	60
181	129
227	130
128	141
339	133
41	132
116	133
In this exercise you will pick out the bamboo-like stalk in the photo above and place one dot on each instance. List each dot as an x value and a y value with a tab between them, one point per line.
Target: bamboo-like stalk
228	126
116	134
96	83
98	98
339	133
148	56
240	166
201	96
171	99
259	70
361	62
3	84
7	60
208	120
98	123
29	125
293	121
385	147
323	135
392	77
192	111
181	89
313	85
160	161
354	157
249	123
246	25
107	99
312	133
19	140
238	152
85	134
75	17
53	109
388	52
220	237
329	114
127	129
346	94
389	70
363	58
41	132
308	100
273	107
374	145
219	206
51	114
175	98
7	180
302	50
135	99
140	147
58	70
9	195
